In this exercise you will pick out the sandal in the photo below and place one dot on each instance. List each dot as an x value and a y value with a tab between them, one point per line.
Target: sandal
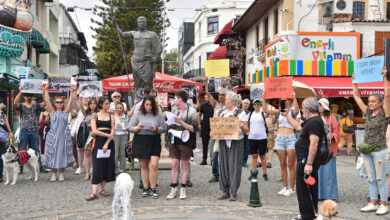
87	177
104	193
91	197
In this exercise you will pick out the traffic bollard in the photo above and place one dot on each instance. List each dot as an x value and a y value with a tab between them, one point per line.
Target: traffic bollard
254	197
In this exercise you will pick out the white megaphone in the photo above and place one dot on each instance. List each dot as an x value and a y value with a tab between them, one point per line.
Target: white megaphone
183	135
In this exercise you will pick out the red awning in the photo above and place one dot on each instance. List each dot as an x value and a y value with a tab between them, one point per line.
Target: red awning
226	30
339	86
162	83
219	53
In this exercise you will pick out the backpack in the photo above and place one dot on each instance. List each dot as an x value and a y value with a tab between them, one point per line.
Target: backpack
265	122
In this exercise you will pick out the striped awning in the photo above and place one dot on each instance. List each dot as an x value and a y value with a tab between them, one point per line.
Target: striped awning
45	48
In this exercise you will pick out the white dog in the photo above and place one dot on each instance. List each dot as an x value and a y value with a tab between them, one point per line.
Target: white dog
12	159
122	192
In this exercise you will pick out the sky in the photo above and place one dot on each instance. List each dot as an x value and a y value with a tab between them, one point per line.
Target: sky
183	9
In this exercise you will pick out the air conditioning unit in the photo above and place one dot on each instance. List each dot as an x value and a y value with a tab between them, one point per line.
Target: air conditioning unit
342	7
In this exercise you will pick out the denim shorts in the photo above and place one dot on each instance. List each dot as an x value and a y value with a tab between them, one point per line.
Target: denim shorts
285	142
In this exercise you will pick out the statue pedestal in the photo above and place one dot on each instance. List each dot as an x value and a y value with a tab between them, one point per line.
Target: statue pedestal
165	162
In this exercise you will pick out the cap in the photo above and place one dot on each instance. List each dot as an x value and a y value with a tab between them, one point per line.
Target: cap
325	103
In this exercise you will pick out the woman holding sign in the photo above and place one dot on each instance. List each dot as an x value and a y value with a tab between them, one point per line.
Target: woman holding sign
231	152
147	125
374	149
285	141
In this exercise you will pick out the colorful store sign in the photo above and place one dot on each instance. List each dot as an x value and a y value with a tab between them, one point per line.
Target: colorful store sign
12	41
314	46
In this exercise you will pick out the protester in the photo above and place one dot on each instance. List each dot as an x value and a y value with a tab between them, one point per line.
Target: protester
147	143
206	112
102	125
4	124
285	141
308	152
44	127
29	124
82	136
231	152
58	145
121	138
219	107
346	137
257	137
375	162
327	176
271	125
180	151
137	105
116	98
245	108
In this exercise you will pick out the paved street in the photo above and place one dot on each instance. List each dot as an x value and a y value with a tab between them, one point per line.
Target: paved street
65	200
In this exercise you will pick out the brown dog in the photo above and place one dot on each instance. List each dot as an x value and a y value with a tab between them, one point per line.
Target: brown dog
327	210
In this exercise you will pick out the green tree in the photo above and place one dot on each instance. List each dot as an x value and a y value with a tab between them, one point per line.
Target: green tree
107	51
171	62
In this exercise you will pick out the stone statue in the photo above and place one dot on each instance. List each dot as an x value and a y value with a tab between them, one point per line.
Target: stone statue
147	50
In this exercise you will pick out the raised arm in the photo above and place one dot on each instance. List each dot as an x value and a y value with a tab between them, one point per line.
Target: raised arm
46	99
387	93
292	121
131	112
266	108
356	96
295	104
229	79
17	98
68	107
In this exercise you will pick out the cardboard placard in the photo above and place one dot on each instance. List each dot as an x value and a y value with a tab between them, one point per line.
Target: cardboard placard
278	87
256	92
31	86
217	68
87	78
91	89
369	69
58	83
162	99
224	128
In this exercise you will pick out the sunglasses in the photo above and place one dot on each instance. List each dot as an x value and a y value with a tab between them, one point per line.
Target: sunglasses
59	102
116	96
257	103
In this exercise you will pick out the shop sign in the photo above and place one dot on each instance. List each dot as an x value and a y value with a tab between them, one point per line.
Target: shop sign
3	64
347	92
317	46
20	71
12	45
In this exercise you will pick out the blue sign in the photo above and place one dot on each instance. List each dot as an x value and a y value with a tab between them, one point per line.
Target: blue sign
369	69
3	64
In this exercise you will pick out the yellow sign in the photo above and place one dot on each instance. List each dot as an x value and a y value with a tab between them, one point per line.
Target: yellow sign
217	68
224	128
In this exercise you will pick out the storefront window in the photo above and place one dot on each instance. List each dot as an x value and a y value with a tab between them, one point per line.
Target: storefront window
212	25
359	10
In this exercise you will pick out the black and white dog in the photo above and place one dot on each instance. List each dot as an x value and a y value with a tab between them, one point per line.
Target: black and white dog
12	159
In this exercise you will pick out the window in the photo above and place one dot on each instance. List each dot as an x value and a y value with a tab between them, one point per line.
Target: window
200	64
208	55
358	10
257	36
212	25
199	30
388	11
64	55
276	21
266	31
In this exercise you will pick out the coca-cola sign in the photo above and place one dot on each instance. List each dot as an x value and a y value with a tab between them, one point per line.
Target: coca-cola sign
165	85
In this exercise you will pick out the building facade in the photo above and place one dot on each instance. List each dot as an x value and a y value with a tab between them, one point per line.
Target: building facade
186	41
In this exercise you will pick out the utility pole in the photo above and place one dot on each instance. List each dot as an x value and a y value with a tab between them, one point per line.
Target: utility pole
163	39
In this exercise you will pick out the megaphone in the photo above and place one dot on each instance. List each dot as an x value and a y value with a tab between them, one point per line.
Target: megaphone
183	135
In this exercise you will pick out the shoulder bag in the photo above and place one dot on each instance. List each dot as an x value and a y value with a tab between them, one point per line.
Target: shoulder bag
347	129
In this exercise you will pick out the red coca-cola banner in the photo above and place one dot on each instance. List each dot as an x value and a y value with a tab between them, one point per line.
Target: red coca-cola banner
346	92
162	83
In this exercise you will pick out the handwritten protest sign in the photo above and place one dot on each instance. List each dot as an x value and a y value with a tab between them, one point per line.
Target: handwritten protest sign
162	99
257	91
278	87
217	68
59	83
368	69
31	86
224	128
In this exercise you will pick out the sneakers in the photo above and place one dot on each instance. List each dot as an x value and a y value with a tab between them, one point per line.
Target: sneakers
382	210
192	159
145	193
189	184
61	177
259	164
79	171
153	193
281	192
213	179
53	177
369	208
269	165
224	195
173	193
233	198
288	192
265	177
204	162
183	194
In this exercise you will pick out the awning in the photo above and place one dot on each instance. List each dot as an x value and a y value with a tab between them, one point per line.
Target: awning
219	53
339	86
45	48
226	30
36	39
162	83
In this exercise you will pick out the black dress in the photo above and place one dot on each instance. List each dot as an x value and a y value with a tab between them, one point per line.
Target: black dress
103	168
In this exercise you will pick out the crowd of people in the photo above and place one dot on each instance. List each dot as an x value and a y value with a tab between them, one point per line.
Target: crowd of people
90	134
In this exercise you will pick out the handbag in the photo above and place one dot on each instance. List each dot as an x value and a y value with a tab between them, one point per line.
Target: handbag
347	129
366	148
89	143
326	154
4	136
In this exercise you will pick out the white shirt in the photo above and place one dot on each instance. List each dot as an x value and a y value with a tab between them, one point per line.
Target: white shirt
112	106
257	127
242	117
283	122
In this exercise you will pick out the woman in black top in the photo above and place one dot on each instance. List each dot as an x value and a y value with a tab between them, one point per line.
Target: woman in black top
102	124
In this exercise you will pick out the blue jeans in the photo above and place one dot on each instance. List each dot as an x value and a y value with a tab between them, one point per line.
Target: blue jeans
376	167
246	149
2	145
30	139
214	159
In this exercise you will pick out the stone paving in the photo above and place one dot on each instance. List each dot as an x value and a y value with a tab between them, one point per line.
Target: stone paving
65	200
